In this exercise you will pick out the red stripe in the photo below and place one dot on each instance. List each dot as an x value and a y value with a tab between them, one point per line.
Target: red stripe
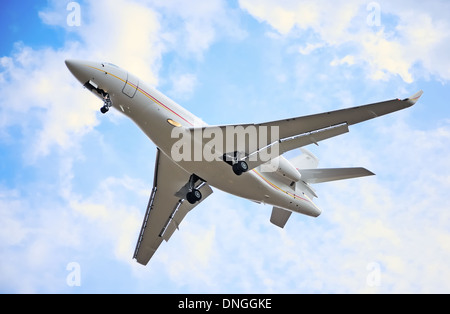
276	187
161	104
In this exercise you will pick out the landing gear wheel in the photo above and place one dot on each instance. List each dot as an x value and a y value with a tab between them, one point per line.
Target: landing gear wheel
194	196
240	167
107	103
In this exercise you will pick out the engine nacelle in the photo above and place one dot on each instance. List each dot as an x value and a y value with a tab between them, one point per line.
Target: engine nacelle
287	170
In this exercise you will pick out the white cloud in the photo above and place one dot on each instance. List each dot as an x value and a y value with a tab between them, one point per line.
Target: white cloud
194	28
398	219
183	85
385	57
110	213
349	60
38	94
34	243
310	48
420	37
330	21
133	25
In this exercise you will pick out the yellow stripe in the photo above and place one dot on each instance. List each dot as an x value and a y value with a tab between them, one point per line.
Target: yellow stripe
280	189
108	74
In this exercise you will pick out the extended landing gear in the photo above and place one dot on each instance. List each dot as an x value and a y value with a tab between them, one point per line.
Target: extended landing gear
194	195
234	160
240	167
104	109
107	103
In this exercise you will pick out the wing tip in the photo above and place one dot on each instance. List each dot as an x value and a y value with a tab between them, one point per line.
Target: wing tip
365	172
141	262
370	173
414	98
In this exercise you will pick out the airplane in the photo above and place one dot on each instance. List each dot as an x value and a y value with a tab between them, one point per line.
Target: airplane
245	160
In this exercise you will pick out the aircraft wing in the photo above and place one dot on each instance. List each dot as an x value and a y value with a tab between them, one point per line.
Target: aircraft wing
349	116
301	131
165	210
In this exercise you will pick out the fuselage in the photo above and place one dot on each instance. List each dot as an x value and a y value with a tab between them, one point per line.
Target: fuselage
157	116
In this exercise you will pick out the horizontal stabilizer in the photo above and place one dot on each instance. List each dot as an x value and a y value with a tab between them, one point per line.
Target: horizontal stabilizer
280	216
333	174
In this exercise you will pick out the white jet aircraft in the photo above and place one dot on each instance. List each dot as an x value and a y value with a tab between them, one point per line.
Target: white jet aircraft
242	159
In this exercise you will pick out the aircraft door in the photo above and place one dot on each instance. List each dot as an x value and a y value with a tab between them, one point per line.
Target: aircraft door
131	85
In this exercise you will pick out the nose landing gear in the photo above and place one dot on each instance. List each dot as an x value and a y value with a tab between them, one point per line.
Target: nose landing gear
107	103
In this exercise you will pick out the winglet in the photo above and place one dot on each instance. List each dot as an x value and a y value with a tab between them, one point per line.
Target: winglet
414	98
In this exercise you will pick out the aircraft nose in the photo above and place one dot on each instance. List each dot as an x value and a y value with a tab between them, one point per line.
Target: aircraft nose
78	69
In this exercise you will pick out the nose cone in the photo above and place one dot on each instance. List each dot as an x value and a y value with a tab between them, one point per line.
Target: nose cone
79	69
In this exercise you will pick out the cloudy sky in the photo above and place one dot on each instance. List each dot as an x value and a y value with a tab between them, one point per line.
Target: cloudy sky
74	183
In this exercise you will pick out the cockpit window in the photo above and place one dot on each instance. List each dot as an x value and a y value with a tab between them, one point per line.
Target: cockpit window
113	65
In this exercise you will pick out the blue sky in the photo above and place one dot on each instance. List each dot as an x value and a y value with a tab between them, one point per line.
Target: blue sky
74	184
